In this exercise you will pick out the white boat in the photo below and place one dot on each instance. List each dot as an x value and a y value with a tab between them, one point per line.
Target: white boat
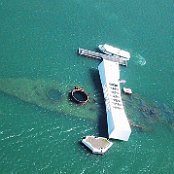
127	90
122	81
98	145
110	50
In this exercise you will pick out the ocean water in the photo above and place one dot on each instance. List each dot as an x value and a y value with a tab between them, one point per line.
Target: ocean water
39	40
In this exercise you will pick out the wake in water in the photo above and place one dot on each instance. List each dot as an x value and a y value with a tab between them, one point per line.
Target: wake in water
139	59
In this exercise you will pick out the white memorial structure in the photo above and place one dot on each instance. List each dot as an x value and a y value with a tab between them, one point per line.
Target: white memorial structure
118	124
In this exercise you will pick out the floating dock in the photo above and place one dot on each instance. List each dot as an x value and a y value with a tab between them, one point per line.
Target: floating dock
98	145
101	56
118	124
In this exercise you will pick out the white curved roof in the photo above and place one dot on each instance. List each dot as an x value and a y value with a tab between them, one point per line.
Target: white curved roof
118	124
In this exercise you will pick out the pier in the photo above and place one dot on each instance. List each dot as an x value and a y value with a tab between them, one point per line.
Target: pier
101	56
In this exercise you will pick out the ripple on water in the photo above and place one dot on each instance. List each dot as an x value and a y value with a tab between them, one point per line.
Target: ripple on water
52	144
139	59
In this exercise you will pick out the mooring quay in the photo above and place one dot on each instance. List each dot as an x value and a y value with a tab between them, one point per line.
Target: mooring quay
100	56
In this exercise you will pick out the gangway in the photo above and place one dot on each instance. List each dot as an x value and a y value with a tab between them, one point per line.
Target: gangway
101	56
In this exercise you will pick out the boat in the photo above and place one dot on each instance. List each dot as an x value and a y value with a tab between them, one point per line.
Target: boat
110	50
127	90
98	145
122	81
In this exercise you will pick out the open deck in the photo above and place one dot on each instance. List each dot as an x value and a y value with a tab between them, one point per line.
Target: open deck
100	56
98	145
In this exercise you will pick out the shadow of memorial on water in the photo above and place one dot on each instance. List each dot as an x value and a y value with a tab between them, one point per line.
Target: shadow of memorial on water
99	101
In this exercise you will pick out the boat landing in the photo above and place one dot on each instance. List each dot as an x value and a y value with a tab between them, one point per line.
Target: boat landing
100	56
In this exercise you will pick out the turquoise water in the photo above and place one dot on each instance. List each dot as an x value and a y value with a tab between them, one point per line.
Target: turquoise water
39	40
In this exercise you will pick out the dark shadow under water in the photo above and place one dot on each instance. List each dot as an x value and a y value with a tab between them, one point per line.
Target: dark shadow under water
102	118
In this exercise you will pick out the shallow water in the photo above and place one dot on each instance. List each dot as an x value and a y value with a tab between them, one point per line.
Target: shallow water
39	40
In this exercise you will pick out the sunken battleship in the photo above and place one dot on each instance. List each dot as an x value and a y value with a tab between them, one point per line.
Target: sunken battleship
49	95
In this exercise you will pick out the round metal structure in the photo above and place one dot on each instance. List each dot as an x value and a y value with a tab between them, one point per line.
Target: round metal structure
79	96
